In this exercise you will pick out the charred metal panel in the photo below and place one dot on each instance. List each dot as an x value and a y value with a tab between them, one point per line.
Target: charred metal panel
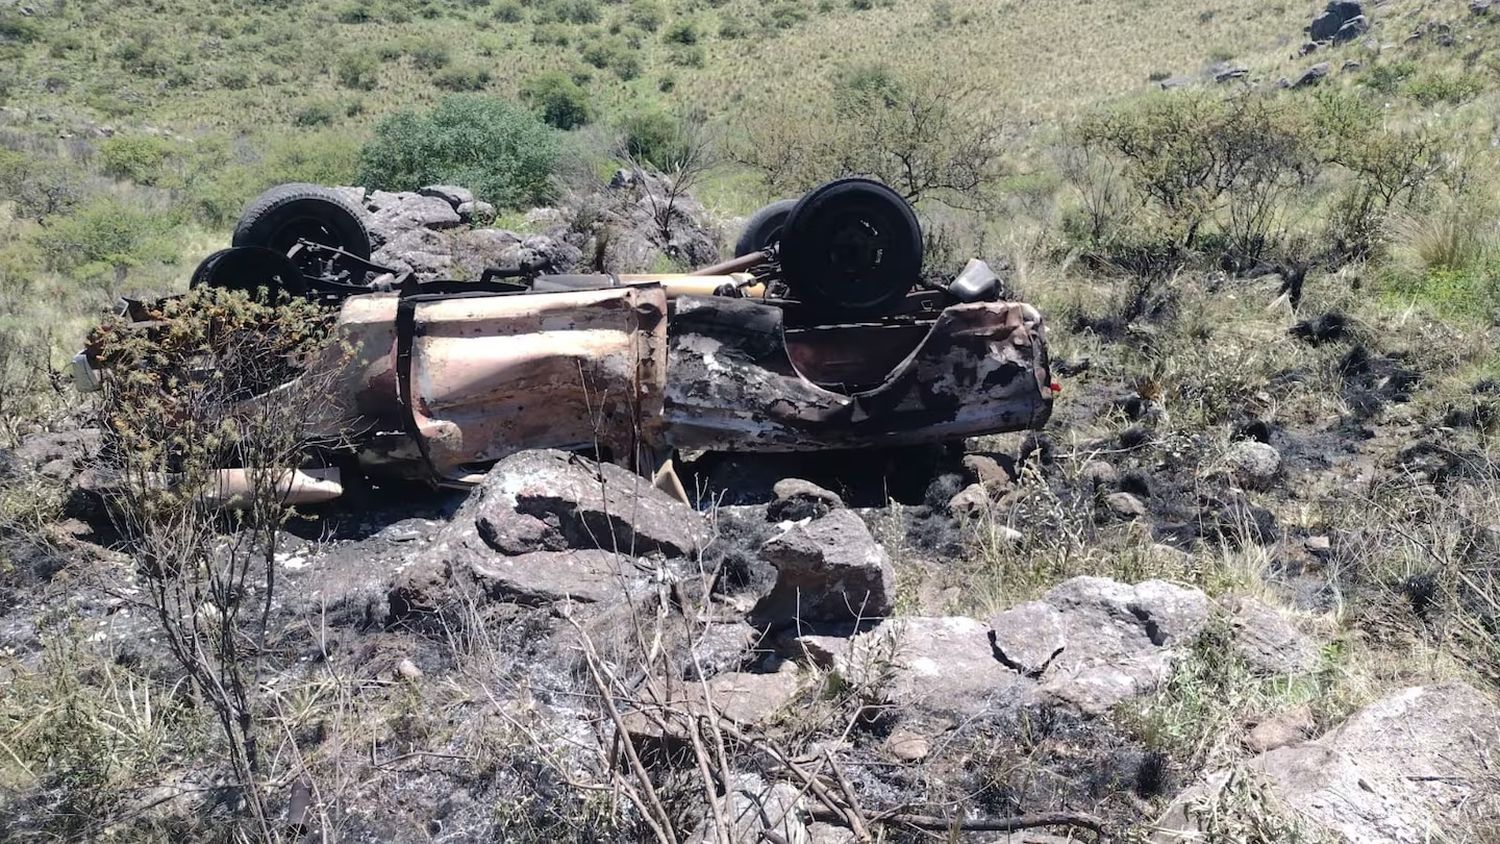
731	385
492	375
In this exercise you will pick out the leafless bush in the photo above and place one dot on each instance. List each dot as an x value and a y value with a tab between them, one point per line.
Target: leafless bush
927	136
180	405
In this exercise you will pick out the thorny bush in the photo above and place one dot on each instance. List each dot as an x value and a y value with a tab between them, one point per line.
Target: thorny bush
206	386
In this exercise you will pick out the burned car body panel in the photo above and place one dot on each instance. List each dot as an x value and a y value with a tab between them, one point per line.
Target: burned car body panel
441	385
740	379
492	375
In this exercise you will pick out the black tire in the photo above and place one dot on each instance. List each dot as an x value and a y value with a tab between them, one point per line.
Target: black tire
285	214
265	275
851	245
764	227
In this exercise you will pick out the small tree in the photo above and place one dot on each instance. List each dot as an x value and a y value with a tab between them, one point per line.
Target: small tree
500	150
926	136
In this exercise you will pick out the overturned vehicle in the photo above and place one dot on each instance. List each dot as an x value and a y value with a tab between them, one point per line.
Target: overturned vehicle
820	334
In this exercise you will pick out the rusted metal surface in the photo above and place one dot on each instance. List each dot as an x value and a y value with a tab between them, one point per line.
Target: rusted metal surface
733	384
492	375
440	385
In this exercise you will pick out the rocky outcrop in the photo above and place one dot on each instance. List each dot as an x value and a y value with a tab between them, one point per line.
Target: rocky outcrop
624	227
1416	761
1340	20
549	526
1091	643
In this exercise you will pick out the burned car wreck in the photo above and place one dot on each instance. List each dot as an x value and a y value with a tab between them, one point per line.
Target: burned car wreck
819	334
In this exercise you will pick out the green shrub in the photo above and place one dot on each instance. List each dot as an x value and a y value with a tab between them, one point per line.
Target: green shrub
653	136
357	70
646	14
15	26
39	187
1453	89
355	13
508	11
219	181
682	32
615	54
314	114
733	28
1469	293
106	238
430	55
689	56
499	150
139	158
559	100
464	78
1386	77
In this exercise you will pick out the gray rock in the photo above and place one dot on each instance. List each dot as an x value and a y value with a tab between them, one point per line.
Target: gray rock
796	499
1097	474
828	571
1480	7
1328	25
579	527
971	504
476	212
908	746
1281	729
1254	465
593	505
549	255
1175	82
1229	73
1093	643
721	648
1269	643
546	577
1419	760
477	250
827	833
454	196
1352	29
756	811
395	213
1125	505
1028	637
1311	76
986	470
936	670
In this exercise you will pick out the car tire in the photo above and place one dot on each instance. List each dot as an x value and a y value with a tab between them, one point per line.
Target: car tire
281	216
852	246
764	227
263	274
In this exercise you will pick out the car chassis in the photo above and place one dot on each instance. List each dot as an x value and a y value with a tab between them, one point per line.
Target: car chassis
438	380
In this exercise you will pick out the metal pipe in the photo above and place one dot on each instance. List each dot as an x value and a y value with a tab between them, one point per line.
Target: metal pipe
744	263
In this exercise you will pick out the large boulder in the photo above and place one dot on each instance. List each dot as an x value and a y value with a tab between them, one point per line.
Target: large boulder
1092	643
1416	761
392	213
1332	23
548	526
936	670
828	571
590	505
